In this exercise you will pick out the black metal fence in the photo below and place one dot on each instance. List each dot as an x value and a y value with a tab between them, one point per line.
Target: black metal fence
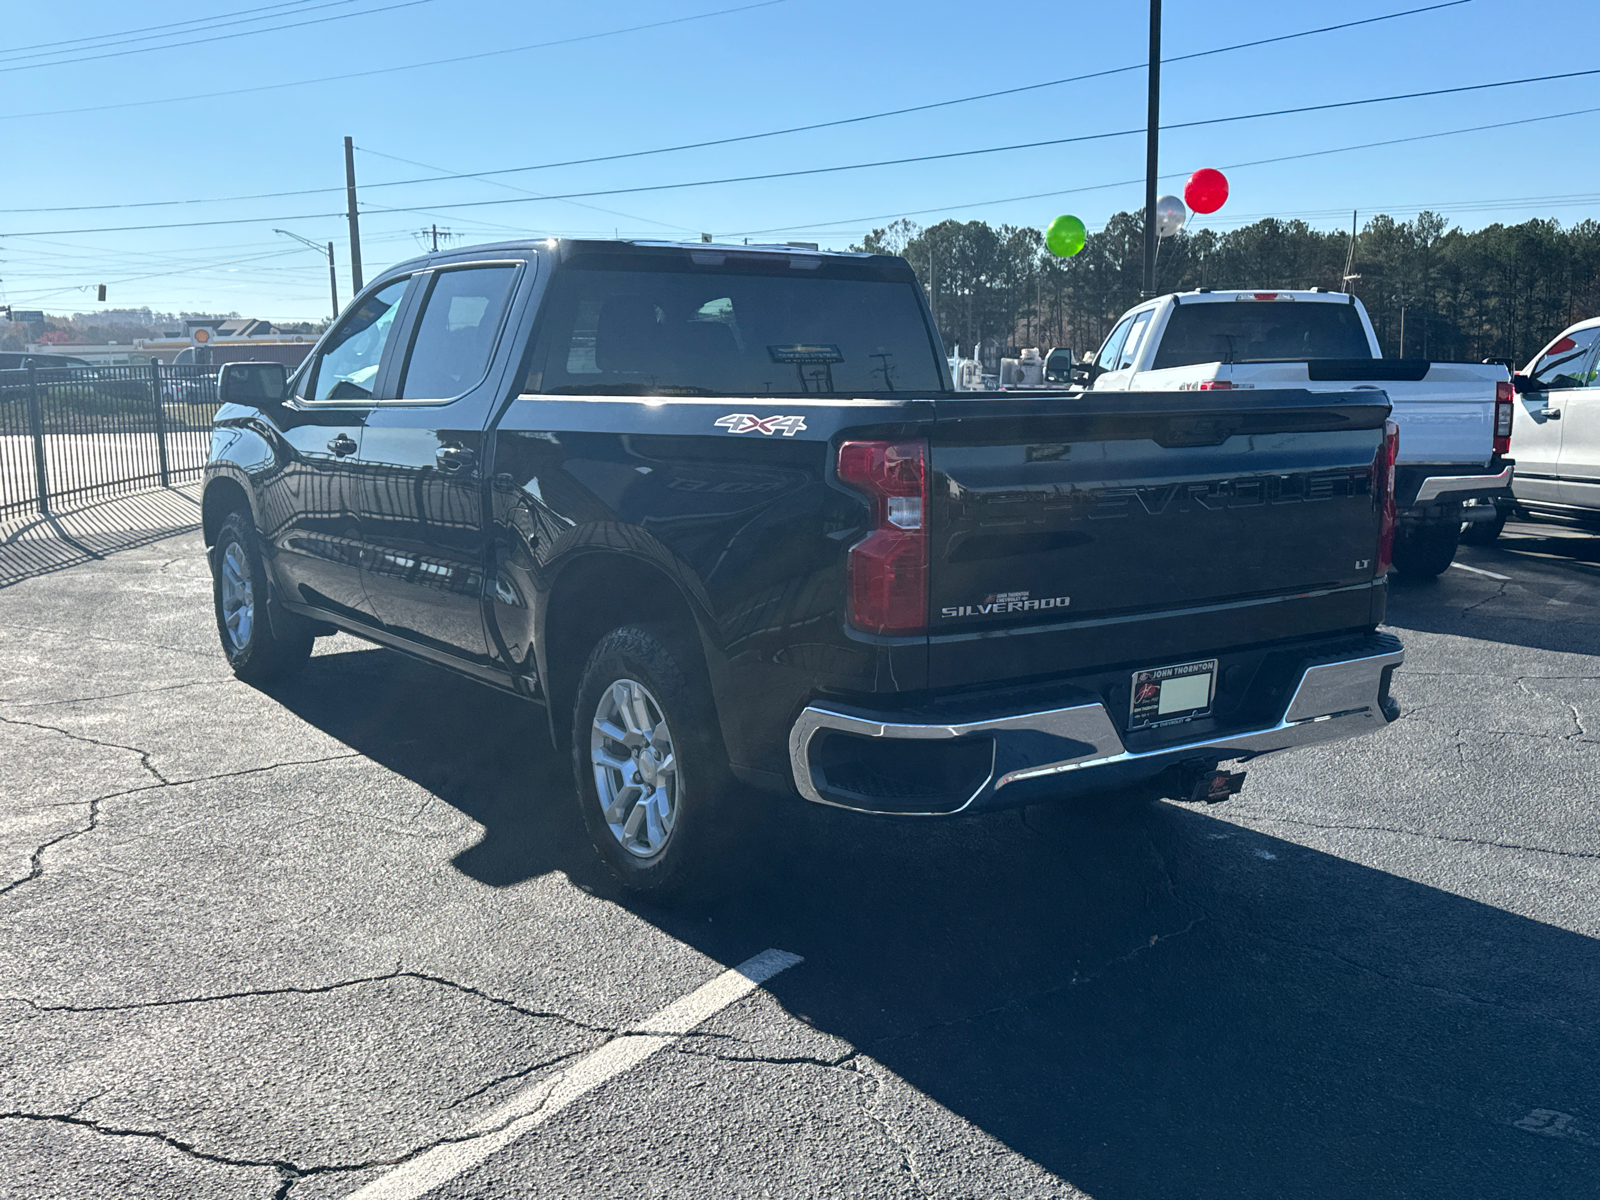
74	435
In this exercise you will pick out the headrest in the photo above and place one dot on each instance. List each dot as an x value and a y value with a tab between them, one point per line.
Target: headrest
627	337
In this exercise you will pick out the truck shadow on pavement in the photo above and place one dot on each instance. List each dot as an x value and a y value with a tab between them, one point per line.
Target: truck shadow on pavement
1546	599
1144	1002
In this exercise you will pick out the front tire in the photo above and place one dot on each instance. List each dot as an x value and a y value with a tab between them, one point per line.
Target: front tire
651	772
256	649
1425	551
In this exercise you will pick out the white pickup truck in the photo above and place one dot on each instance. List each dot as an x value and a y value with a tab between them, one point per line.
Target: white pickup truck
1454	418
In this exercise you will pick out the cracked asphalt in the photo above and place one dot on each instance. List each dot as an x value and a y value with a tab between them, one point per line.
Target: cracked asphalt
271	945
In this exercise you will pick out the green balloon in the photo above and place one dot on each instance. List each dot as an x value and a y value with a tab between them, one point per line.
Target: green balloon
1065	236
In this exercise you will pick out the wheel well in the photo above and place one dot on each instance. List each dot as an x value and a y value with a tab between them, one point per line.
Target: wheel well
222	497
592	597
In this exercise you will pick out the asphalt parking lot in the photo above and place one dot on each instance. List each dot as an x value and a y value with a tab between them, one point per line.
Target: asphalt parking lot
298	944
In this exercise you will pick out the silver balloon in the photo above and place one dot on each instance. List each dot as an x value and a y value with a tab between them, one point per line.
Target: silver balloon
1170	216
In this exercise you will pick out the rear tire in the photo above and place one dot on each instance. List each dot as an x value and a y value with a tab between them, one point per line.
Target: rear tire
257	647
1425	551
651	772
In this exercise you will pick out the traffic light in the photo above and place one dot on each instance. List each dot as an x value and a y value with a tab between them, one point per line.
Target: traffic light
102	293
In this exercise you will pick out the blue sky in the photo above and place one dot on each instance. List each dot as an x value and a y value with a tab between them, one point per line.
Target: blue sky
769	67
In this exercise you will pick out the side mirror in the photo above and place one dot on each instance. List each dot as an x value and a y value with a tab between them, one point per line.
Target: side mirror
1085	373
1521	383
252	383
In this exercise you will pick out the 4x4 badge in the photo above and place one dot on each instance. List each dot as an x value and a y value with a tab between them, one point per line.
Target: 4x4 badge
750	423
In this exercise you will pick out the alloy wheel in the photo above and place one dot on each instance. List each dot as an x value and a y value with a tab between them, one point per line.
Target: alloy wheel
635	769
238	596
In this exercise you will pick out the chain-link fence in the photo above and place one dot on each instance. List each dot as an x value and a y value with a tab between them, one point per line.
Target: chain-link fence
73	435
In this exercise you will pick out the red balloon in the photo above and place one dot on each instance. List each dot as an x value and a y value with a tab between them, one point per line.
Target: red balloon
1206	191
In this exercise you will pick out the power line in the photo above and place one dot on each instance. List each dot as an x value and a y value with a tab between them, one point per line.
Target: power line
161	274
446	173
809	171
174	225
896	112
436	62
488	175
952	154
170	29
1097	187
221	37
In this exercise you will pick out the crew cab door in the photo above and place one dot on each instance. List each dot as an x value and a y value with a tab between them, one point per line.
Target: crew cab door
308	506
422	459
1566	365
1580	445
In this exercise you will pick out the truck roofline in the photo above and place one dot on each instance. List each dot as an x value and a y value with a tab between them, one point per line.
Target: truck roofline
566	248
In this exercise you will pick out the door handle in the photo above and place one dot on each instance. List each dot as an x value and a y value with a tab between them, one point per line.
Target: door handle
453	458
1553	414
342	445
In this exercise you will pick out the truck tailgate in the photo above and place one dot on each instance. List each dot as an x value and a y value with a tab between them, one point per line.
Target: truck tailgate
1077	532
1445	410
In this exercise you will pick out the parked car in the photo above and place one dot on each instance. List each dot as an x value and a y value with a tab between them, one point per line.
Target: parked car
720	512
63	380
1454	418
12	360
1556	430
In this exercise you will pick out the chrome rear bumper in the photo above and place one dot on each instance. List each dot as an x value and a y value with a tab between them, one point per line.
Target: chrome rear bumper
1078	744
1456	487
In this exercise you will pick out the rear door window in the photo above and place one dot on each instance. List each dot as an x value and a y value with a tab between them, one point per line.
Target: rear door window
456	333
1235	331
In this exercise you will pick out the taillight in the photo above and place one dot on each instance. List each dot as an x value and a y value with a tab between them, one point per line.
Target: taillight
889	567
1216	385
1504	397
1383	496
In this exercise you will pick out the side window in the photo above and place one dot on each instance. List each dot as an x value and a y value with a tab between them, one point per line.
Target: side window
456	332
1130	348
1113	347
1565	362
348	365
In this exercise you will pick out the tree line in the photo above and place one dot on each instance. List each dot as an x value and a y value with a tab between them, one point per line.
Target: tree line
1499	291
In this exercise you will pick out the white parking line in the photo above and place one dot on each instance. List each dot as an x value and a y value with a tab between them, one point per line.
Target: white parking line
1481	571
539	1102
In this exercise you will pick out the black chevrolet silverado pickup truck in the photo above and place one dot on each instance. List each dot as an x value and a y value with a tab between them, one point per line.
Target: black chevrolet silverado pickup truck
718	510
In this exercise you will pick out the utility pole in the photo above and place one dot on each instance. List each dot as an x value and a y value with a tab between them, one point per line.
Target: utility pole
355	224
1350	258
1152	140
432	234
333	283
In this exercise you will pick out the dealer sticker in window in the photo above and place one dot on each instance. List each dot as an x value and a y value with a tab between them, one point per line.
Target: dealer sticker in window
814	353
1168	695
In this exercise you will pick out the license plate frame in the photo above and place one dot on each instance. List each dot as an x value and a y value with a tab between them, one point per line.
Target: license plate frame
1163	696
